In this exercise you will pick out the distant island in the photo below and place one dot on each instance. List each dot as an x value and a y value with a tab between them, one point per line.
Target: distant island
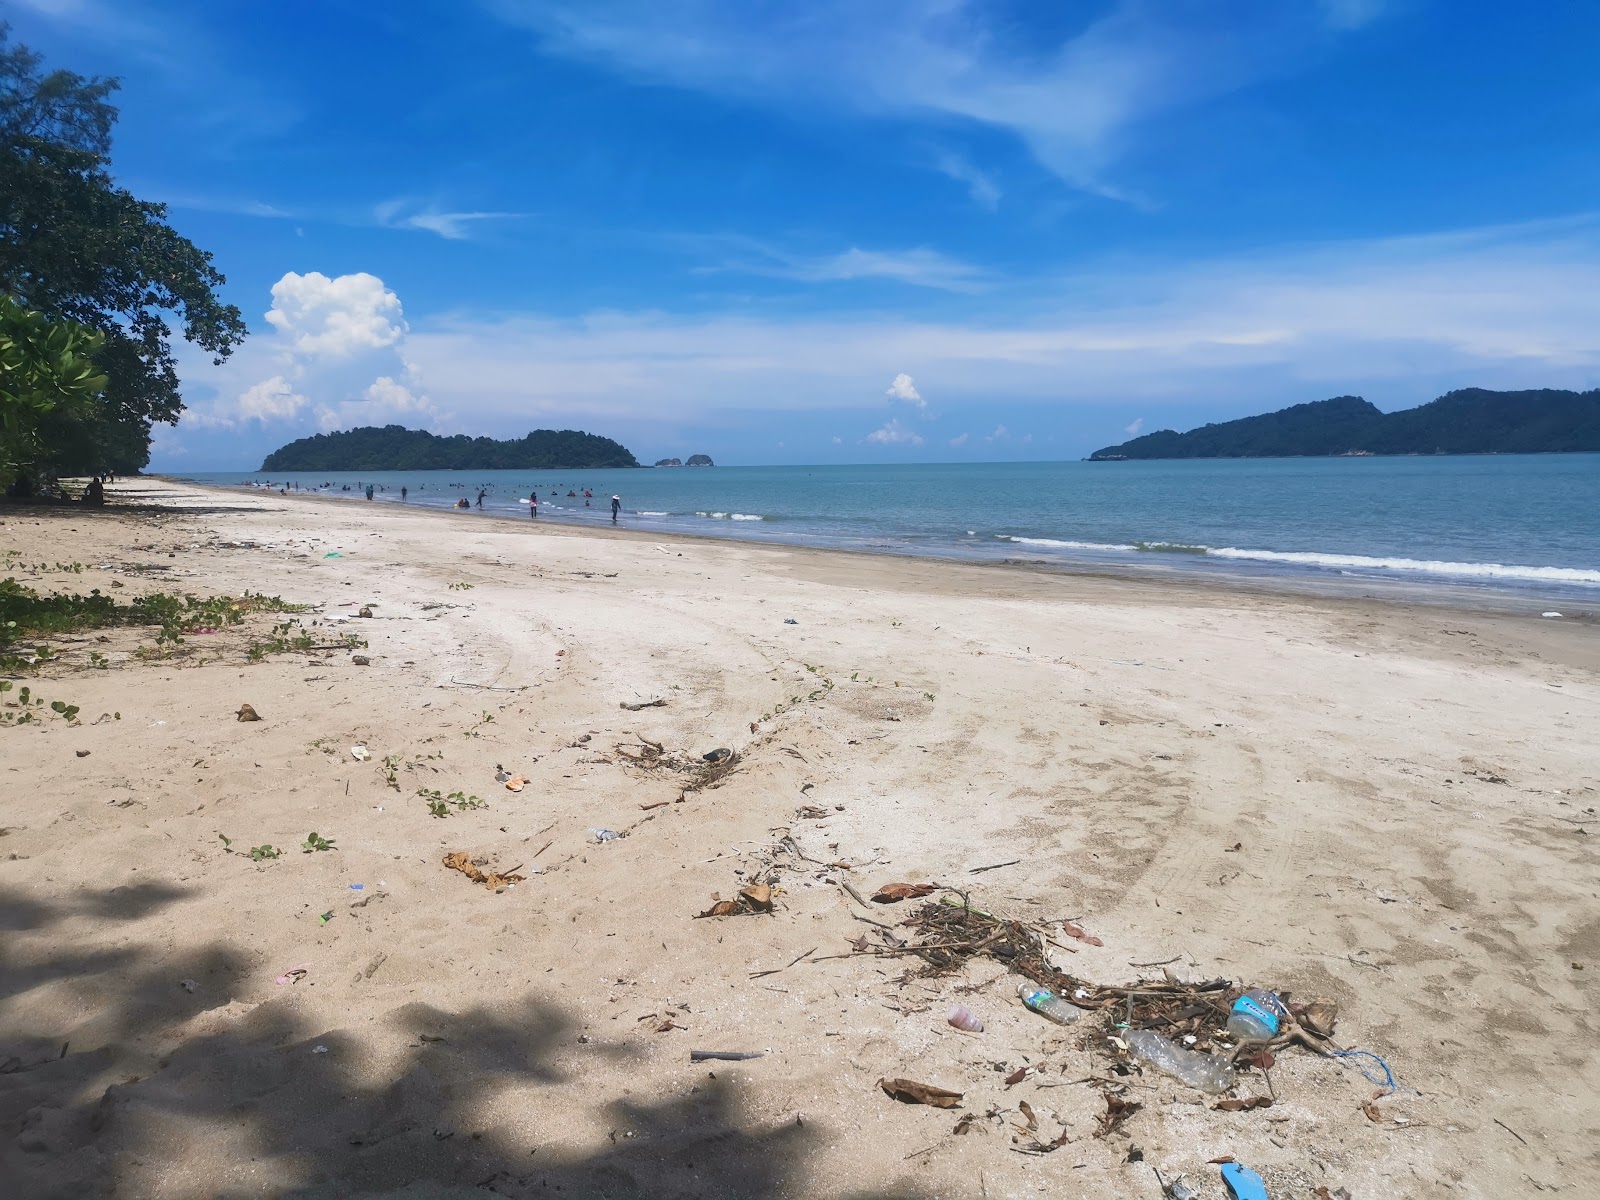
1469	421
695	460
396	448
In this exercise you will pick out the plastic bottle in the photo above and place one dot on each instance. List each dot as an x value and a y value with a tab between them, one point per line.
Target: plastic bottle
1206	1072
1256	1015
1046	1003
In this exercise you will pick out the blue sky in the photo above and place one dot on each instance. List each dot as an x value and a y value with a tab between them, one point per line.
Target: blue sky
857	230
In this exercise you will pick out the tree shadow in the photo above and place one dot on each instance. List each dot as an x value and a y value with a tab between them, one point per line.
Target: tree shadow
178	1092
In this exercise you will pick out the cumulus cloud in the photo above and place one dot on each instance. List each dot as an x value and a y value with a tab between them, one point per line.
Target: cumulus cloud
960	439
895	434
1133	427
904	389
1000	434
335	317
270	400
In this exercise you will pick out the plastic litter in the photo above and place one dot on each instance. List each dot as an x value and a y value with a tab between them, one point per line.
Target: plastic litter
1047	1004
963	1017
360	753
1256	1015
605	835
790	621
1203	1071
1243	1183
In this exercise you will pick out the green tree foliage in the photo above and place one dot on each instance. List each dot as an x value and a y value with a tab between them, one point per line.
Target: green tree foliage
75	246
396	448
1469	421
47	375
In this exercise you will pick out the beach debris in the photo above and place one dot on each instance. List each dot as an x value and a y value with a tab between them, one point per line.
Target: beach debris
1242	1103
720	754
247	713
1016	1076
657	703
962	1017
1046	1003
893	893
516	783
365	611
325	917
1551	615
909	1091
725	1055
460	860
1118	1109
319	1049
1243	1183
1208	1073
82	753
360	753
356	887
752	898
1076	931
360	660
294	974
810	812
790	621
1322	1193
1175	1189
333	554
189	985
604	835
1319	1016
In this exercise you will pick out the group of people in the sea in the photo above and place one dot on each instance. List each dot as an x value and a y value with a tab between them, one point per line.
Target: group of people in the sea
370	489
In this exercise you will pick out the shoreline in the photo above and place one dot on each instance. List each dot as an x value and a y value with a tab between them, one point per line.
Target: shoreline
1433	595
1383	805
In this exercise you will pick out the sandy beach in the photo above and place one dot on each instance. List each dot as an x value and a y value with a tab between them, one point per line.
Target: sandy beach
1392	808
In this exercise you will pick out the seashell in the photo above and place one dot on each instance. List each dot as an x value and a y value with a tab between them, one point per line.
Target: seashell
964	1018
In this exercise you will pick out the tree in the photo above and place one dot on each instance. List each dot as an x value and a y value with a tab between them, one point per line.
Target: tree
75	246
46	371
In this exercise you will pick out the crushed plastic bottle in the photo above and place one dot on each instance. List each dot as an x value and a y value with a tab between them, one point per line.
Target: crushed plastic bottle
1047	1004
1206	1072
1256	1015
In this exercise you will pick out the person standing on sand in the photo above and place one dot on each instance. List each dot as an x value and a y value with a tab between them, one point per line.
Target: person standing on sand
402	495
616	507
533	505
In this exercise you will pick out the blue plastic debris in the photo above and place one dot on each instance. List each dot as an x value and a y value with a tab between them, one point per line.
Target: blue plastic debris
1243	1183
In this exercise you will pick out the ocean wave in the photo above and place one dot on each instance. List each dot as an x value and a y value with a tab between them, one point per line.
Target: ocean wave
1057	544
1345	563
645	512
1422	565
731	516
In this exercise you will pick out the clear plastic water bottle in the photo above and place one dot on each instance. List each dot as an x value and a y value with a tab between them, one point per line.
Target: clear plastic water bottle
1046	1003
1257	1015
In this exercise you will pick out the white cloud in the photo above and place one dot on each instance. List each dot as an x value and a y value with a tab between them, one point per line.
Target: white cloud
1133	427
981	187
905	390
454	226
1352	14
270	400
960	439
837	440
895	434
335	317
1074	101
918	267
1000	434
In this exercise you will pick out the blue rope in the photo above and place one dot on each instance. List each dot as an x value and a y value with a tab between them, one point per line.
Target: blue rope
1386	1079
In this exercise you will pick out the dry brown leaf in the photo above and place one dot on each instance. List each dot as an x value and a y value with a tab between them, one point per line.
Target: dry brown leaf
909	1091
1027	1111
1319	1016
722	908
1076	931
1017	1076
1242	1103
1225	1158
892	893
758	894
1263	1060
460	860
1118	1110
1374	1113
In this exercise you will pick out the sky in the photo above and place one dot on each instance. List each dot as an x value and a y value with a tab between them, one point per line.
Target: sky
856	230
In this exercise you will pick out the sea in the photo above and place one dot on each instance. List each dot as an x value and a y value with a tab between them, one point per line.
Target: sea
1517	532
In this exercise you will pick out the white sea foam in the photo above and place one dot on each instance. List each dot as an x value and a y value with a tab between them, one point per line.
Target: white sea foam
1345	563
1424	566
730	516
645	512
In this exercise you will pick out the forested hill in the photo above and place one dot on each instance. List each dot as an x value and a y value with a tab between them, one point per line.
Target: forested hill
1470	421
396	448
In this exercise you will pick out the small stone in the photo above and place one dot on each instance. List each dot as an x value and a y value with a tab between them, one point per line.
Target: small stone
246	713
361	660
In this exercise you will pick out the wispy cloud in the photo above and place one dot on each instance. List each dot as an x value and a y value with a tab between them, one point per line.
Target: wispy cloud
981	186
1133	427
1073	103
454	226
917	267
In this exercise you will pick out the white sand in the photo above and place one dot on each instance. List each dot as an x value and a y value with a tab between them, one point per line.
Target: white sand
1118	738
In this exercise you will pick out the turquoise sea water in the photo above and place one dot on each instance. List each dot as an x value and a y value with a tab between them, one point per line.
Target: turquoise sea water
1523	528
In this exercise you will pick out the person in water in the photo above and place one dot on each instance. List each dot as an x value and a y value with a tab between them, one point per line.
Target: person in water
480	497
616	507
369	491
402	495
533	505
